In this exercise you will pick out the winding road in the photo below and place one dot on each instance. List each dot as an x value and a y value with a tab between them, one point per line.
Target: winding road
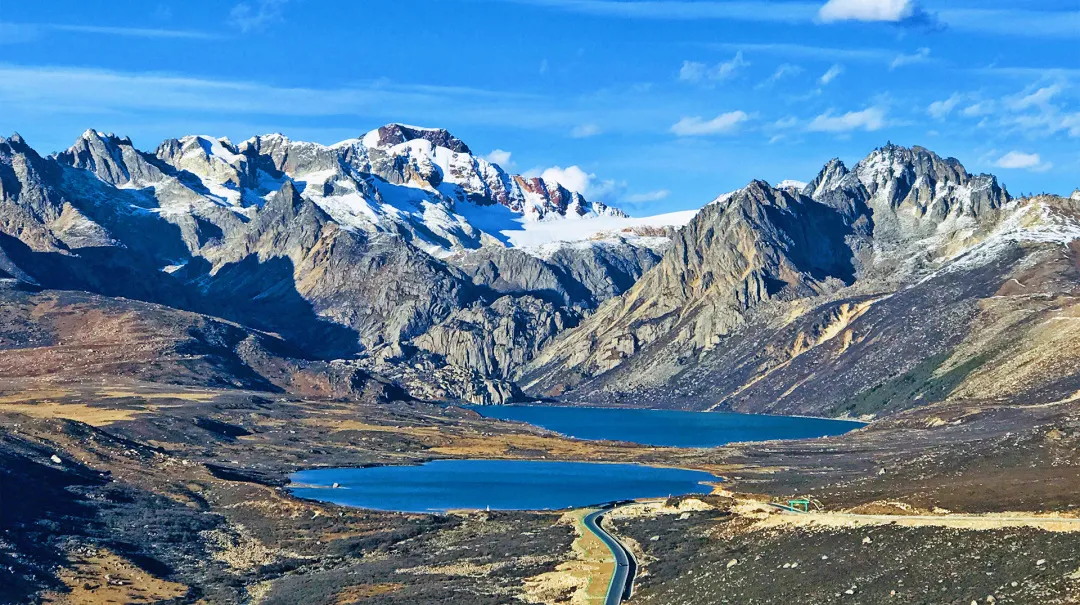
622	579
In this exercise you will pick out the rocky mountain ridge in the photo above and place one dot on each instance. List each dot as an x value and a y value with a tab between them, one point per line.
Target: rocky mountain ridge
889	310
342	250
387	255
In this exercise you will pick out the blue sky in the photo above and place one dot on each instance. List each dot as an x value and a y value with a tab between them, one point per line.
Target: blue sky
662	105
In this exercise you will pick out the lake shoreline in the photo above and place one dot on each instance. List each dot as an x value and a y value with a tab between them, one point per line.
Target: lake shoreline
441	486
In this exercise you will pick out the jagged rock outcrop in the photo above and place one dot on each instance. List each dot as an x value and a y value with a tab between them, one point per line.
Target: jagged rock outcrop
295	271
577	276
391	250
334	247
497	339
931	273
758	244
914	205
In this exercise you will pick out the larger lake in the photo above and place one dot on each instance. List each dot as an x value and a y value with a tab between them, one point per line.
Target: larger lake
445	485
667	427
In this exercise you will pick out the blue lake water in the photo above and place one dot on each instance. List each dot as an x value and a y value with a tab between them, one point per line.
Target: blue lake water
499	484
667	427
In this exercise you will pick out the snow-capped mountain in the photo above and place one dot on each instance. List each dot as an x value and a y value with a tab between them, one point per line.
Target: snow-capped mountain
397	178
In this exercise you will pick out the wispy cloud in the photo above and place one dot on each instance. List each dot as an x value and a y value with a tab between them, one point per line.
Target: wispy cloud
805	51
941	109
869	119
103	91
724	123
1015	160
978	109
693	71
25	32
833	73
1036	98
783	71
920	56
257	15
584	131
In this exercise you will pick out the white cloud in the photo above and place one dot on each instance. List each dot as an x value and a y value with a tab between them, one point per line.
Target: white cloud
728	69
576	179
545	67
32	88
980	108
651	196
868	10
831	75
1049	121
721	124
869	119
501	157
786	123
692	71
1023	161
1034	23
941	109
572	177
920	56
251	18
1038	98
11	33
806	51
584	131
785	70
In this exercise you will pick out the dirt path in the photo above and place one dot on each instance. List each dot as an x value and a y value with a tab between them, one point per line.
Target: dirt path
770	517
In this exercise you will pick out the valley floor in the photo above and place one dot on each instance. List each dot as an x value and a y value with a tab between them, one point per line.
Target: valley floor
138	492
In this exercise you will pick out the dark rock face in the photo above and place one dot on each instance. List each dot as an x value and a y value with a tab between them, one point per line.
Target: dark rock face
395	134
497	339
580	277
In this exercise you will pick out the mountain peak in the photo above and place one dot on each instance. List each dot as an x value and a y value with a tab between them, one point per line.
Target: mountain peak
396	134
827	179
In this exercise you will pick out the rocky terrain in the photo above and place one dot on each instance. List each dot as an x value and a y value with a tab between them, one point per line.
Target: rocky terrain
143	492
181	330
902	282
342	250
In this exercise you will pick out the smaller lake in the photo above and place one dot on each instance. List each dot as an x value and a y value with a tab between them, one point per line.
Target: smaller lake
445	485
667	427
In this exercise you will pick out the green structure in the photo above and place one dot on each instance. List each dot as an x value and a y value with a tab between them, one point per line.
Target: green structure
801	505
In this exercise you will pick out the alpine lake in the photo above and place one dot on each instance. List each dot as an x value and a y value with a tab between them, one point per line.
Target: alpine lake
445	485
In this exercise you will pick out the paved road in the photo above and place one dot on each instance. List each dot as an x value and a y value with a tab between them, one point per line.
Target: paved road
622	580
